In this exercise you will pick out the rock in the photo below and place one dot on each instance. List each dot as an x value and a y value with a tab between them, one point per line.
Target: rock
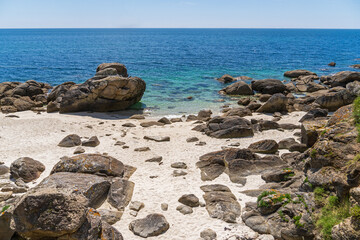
91	142
348	229
5	219
155	159
189	200
268	86
136	206
120	68
332	64
151	123
119	143
314	113
267	125
343	78
310	131
180	165
164	120
204	114
179	173
264	146
128	125
94	188
342	113
298	148
92	164
354	88
26	169
109	216
110	233
137	116
150	226
238	88
184	209
357	66
112	93
208	234
45	213
211	165
190	118
277	103
334	100
164	206
79	150
280	175
229	127
221	203
298	73
264	97
157	138
192	139
120	193
244	101
226	79
240	112
71	140
286	143
175	120
4	170
142	149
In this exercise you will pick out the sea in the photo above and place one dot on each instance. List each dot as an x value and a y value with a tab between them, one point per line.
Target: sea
175	63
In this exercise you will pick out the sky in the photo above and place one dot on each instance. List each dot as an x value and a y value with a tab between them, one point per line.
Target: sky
180	14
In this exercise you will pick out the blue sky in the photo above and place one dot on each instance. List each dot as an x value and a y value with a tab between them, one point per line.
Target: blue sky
180	13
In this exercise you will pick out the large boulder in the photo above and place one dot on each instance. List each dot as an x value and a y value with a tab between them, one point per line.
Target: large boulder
229	127
334	100
112	93
26	169
298	73
238	88
264	146
268	86
277	103
92	164
48	213
343	78
150	226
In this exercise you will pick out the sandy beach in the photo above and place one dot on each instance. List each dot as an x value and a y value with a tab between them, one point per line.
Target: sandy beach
37	135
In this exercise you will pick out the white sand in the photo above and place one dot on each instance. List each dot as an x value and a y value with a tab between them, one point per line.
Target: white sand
37	135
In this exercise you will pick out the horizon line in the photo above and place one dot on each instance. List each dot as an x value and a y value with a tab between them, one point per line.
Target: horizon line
285	28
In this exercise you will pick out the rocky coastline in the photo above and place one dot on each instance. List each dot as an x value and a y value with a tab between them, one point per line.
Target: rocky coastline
282	164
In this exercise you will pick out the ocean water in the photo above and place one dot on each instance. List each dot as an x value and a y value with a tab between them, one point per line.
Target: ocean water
175	63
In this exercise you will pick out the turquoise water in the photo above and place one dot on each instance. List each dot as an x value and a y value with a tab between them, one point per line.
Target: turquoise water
175	63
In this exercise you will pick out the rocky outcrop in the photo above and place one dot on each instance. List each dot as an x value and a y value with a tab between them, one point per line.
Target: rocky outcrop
268	86
109	90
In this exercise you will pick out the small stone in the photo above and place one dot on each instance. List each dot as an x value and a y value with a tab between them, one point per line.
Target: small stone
150	226
185	209
125	147
155	159
142	149
4	169
180	165
189	200
164	120
151	123
79	150
111	217
157	138
200	144
137	116
136	206
164	206
234	144
133	213
129	125
120	143
208	234
192	139
178	173
91	142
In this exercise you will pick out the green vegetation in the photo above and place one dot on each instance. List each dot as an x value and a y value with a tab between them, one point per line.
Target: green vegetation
313	153
282	216
355	211
297	221
356	114
323	132
3	210
276	197
306	180
332	213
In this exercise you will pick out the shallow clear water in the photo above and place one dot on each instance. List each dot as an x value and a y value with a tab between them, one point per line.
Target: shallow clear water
175	63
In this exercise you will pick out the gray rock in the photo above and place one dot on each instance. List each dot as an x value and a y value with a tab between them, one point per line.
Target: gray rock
208	234
150	226
192	139
157	138
264	146
111	217
277	103
179	173
71	140
298	73
142	149
164	120
164	206
120	193
128	125
26	169
91	142
155	159
238	88
189	200
151	123
184	209
136	206
180	165
268	86
79	150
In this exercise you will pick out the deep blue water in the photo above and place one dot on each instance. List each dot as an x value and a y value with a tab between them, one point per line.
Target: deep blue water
175	63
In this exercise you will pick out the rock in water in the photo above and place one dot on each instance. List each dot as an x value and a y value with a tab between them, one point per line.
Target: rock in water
238	88
298	73
150	226
120	69
71	140
92	164
26	169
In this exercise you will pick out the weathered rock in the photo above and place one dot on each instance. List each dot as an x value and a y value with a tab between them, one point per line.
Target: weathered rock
111	217
192	139
297	147
150	226
92	164
151	123
142	149
110	233
128	125
334	100
164	206
342	113
48	213
71	140
298	73
94	188
155	159
226	79
157	138
189	200
208	234
343	78
5	230
79	150
180	165
179	173
204	114
268	86
264	146
120	68
120	193
279	175
164	120
184	209
221	204
91	142
26	169
348	229
229	127
286	143
332	64
136	206
314	113
240	112
238	88
4	169
310	131
277	103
